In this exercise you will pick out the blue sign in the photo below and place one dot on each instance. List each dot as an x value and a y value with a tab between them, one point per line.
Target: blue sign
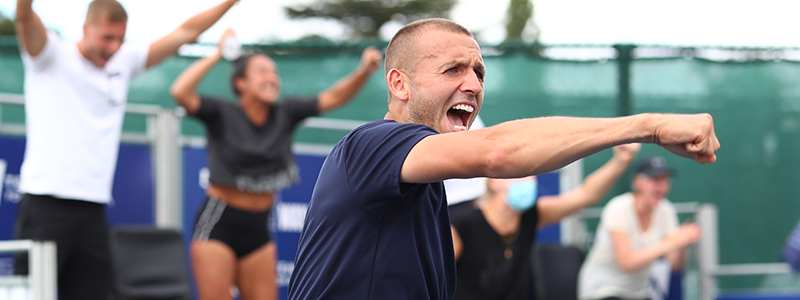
11	152
132	191
549	185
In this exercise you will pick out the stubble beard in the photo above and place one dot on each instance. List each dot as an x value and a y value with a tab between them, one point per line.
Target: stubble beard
421	109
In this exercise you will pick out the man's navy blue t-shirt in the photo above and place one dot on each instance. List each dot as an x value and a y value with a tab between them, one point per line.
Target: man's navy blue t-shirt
366	234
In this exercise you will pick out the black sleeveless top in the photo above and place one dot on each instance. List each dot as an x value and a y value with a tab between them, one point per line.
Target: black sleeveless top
484	271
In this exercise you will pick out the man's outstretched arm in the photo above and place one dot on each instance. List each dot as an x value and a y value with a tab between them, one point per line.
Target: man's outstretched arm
31	32
535	146
186	33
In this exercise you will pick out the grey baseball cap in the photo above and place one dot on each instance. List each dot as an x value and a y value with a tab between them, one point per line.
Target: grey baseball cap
654	166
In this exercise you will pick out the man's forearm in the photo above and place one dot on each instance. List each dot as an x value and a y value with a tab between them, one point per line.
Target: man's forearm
24	10
202	21
31	32
541	145
186	33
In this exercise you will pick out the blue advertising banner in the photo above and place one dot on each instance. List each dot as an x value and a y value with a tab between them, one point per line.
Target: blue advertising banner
132	192
549	185
11	152
134	187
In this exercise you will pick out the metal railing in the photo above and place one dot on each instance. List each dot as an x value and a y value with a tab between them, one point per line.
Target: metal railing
41	283
162	128
574	232
163	135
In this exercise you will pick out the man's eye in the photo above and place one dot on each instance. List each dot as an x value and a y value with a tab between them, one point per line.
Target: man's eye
451	70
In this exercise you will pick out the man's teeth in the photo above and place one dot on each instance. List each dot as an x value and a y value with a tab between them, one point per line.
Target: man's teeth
464	107
461	128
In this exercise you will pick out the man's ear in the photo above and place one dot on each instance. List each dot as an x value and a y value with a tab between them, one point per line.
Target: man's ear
398	84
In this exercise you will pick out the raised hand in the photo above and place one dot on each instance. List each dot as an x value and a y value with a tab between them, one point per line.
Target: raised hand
371	59
687	234
626	152
221	44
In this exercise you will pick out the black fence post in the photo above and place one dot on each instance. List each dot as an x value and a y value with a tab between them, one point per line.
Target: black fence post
624	70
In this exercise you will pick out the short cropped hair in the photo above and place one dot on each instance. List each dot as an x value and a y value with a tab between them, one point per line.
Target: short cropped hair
399	53
110	10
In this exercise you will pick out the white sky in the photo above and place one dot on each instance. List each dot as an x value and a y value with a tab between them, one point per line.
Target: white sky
763	23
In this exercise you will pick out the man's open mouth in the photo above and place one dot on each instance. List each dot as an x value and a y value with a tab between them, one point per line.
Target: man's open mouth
459	115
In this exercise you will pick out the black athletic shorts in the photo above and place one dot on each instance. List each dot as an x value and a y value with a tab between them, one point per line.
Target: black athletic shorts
243	231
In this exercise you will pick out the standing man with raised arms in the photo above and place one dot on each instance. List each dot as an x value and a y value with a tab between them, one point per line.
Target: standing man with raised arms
377	226
75	95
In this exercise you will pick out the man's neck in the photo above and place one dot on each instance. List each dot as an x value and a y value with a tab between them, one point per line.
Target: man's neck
395	111
389	116
84	50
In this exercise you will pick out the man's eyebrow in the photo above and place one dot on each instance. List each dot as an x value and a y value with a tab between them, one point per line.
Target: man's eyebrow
462	63
480	67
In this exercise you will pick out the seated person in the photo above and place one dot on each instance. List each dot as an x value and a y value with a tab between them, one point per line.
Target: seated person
635	229
493	243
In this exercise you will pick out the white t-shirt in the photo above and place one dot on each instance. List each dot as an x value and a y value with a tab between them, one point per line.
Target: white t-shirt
600	275
74	112
460	190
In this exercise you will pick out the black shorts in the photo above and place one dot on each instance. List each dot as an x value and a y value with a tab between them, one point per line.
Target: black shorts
80	230
243	231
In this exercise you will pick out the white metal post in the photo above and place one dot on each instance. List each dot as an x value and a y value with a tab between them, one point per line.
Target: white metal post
573	227
708	253
167	166
43	271
41	283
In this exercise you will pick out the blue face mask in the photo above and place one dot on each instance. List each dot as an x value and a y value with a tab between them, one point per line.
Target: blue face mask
522	195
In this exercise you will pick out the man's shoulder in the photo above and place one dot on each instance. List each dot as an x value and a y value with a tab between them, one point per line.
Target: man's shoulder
377	125
382	127
384	136
127	49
